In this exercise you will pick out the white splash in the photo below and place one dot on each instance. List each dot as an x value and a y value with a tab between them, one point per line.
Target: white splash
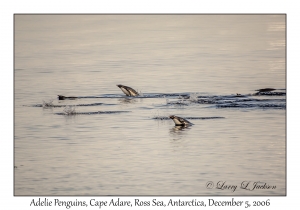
47	104
194	97
70	110
141	94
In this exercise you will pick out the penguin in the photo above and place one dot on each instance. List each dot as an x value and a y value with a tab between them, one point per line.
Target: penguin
179	121
265	90
128	90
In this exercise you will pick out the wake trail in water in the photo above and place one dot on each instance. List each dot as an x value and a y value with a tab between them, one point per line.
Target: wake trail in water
47	105
188	118
92	113
233	101
187	99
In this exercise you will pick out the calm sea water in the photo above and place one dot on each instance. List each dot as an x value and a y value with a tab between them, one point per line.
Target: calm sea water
187	65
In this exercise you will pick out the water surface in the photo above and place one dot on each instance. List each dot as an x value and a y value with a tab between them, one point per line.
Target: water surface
192	66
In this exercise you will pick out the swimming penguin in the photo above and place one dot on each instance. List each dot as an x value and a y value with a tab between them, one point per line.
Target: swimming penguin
128	90
180	121
61	97
265	90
